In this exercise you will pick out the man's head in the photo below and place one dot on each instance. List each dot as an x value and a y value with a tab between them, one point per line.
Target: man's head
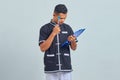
60	10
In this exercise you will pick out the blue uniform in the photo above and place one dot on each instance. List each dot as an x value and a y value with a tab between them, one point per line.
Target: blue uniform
51	60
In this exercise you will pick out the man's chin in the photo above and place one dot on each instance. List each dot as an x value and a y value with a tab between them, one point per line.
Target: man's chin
61	23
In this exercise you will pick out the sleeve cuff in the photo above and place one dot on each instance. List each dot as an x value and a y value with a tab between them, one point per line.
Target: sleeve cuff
41	42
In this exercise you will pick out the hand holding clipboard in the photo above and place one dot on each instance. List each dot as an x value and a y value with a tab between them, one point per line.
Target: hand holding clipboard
76	34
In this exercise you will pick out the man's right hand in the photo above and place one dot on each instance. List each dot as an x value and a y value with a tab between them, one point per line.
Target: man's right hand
56	30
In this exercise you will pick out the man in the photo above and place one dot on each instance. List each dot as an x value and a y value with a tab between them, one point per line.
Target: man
57	59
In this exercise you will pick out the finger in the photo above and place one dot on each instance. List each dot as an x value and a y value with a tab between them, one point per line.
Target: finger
72	37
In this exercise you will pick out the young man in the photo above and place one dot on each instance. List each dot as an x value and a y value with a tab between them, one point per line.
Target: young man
57	59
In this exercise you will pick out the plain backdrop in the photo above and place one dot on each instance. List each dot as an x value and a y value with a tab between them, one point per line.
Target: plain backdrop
98	53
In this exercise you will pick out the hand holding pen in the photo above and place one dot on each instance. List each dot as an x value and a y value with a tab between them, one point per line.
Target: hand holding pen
56	29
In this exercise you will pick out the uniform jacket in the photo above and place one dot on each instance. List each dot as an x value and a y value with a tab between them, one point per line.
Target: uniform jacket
54	61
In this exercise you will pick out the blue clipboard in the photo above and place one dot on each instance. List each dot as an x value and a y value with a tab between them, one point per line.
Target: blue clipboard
76	34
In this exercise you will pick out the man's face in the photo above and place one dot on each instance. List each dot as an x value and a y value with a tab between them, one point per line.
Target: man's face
62	17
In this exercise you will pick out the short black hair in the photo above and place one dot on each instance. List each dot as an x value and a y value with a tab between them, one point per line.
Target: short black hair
60	8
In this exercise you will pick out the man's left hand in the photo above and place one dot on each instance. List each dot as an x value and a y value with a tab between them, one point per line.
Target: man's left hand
71	38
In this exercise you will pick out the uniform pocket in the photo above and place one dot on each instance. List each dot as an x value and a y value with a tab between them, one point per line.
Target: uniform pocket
50	59
66	54
50	55
67	59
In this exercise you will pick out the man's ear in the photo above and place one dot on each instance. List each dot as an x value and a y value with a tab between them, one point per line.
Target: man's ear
54	14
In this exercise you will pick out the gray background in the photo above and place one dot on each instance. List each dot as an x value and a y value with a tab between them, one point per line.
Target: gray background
98	53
